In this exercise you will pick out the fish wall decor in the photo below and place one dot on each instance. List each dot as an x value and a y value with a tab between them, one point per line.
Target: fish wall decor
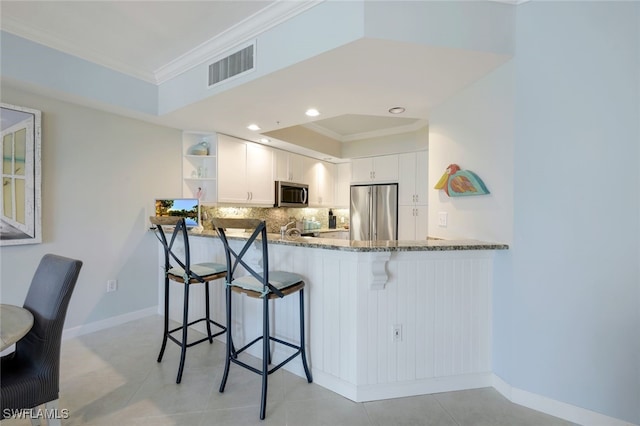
458	183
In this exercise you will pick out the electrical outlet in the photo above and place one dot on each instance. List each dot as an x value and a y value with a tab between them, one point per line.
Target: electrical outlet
112	285
443	218
397	333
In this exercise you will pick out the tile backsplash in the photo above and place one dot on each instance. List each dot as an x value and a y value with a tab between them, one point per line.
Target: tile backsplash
275	217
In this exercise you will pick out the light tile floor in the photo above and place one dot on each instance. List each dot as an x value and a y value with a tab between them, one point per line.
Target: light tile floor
111	377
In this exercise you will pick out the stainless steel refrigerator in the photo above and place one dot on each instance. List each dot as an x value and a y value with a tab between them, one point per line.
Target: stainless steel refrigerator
374	212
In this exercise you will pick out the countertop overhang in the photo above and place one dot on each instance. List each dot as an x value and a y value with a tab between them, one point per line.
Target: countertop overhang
369	246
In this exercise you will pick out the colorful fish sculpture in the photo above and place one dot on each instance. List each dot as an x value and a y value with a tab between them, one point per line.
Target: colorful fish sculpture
457	182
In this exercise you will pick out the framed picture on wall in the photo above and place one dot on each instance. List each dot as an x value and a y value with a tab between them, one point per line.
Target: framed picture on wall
20	203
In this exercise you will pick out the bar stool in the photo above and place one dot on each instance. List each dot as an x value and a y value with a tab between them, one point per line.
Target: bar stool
187	274
262	284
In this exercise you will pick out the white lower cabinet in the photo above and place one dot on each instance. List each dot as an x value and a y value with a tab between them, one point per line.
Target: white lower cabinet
412	222
245	172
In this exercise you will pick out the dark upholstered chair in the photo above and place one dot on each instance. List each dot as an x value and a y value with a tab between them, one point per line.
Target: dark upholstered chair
260	284
30	376
186	273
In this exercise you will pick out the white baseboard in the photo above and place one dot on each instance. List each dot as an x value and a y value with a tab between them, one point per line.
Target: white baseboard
423	386
562	410
401	389
69	333
335	384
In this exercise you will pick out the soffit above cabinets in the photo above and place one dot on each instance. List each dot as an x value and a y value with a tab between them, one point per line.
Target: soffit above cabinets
353	86
353	78
150	40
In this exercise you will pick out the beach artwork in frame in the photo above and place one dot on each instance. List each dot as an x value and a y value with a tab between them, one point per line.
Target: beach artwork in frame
20	202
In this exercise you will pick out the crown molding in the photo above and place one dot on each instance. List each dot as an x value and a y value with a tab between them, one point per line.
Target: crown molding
323	131
214	48
386	132
251	27
419	124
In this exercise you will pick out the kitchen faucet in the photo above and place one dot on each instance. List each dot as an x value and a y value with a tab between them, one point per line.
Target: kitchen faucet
283	229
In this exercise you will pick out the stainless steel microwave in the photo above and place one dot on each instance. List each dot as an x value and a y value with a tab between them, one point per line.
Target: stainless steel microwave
290	194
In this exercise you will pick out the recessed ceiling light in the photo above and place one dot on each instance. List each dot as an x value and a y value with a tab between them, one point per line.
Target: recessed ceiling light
312	112
253	127
396	110
264	140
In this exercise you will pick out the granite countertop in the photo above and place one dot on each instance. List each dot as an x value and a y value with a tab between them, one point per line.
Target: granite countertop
370	246
324	230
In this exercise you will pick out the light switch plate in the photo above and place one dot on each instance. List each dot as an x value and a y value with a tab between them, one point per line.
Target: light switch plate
112	285
443	218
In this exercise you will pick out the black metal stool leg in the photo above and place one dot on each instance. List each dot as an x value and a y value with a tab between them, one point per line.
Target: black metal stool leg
166	318
185	326
269	347
303	351
266	357
207	311
230	349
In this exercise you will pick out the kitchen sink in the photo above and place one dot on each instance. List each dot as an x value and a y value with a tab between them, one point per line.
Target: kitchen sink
299	237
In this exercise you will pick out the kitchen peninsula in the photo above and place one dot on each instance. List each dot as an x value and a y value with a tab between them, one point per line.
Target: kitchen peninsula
386	319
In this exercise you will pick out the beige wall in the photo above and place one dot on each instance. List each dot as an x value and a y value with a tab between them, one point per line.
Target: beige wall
100	175
474	129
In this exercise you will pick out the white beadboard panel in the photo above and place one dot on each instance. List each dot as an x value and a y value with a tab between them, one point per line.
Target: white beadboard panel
441	300
315	312
349	315
331	334
331	312
443	308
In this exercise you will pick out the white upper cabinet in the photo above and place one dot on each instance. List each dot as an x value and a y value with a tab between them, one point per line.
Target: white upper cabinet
260	182
412	196
412	178
320	176
326	184
232	171
375	169
245	172
289	167
343	185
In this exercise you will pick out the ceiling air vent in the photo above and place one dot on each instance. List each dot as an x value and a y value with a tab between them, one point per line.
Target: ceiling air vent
232	65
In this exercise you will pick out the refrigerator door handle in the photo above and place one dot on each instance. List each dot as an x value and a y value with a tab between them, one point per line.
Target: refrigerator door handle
374	213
